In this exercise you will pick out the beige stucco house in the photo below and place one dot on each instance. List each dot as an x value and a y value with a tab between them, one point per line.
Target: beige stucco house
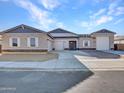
119	42
24	38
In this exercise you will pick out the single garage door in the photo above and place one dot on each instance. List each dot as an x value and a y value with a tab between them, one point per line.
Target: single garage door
59	45
102	43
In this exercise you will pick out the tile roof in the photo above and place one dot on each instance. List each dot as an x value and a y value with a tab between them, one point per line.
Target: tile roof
60	30
104	31
23	29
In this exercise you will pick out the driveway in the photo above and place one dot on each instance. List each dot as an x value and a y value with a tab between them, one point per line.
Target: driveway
98	60
66	60
117	52
73	60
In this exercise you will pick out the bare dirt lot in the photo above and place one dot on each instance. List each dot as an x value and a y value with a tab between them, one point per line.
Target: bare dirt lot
28	57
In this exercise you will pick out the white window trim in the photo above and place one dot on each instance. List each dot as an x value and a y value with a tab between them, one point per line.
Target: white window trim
86	41
18	42
29	43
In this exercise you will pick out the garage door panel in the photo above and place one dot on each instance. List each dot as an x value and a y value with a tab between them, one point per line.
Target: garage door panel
59	45
102	43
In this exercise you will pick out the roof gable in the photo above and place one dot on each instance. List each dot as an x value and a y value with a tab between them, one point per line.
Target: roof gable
60	30
23	29
104	31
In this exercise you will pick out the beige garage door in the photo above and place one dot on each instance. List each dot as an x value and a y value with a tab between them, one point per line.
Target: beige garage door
102	43
59	45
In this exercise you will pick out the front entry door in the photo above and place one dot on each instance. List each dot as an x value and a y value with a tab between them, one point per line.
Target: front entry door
72	45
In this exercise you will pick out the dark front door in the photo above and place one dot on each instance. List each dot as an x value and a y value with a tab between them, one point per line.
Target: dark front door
72	45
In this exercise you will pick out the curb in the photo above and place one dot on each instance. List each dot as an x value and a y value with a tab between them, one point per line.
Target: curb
61	69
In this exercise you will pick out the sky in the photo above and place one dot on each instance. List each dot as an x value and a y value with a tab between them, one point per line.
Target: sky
78	16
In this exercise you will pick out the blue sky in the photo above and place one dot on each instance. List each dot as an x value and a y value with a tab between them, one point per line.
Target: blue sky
79	16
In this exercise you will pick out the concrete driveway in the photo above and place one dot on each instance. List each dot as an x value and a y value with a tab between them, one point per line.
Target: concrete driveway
65	61
73	60
98	60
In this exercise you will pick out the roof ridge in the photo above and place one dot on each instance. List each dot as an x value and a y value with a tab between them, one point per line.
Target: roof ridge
61	29
104	31
23	26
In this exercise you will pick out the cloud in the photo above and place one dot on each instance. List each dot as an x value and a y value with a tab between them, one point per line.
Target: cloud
97	19
104	15
115	9
88	25
119	21
60	25
103	19
120	11
41	17
96	22
50	4
38	15
98	13
111	8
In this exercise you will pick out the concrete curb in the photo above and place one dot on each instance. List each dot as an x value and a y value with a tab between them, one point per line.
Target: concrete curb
61	69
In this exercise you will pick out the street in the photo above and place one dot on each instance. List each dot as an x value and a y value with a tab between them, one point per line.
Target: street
61	82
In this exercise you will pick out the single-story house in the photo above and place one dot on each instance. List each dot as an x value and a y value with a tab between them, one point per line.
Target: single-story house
24	38
119	39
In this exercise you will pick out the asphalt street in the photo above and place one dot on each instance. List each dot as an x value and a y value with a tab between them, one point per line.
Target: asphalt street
61	82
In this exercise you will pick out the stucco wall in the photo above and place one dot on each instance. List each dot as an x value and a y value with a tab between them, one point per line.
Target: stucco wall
92	42
42	40
111	41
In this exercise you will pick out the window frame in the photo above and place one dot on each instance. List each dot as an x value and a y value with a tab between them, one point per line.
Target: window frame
88	43
11	41
29	42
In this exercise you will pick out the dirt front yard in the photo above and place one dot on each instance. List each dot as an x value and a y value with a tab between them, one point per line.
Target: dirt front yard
28	57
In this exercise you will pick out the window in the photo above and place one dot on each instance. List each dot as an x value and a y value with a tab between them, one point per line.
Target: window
14	42
86	43
33	42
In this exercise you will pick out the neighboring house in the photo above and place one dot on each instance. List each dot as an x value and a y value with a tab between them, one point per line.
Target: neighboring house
24	38
119	39
119	42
